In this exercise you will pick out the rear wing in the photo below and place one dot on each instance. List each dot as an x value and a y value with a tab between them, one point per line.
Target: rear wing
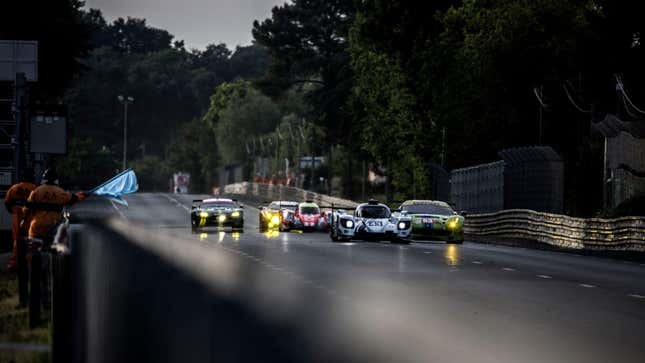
337	207
196	203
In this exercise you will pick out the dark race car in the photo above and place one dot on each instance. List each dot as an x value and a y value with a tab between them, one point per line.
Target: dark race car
277	215
216	212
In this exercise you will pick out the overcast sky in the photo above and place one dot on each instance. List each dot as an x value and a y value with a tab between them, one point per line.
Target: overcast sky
198	22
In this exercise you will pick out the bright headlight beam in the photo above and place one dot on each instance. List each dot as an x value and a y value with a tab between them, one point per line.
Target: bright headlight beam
235	214
221	218
401	225
203	214
349	224
275	220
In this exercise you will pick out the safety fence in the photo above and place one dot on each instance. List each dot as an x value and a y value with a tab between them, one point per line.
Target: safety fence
621	234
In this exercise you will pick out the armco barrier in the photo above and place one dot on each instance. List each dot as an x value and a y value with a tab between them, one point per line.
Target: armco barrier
123	293
622	234
281	192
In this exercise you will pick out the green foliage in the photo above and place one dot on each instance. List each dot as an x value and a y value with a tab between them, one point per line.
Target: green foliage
194	151
153	174
239	112
86	165
307	41
170	87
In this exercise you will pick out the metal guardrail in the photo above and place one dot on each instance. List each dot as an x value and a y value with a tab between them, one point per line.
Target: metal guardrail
122	293
621	234
282	192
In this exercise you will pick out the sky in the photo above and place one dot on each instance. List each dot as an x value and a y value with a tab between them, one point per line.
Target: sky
197	22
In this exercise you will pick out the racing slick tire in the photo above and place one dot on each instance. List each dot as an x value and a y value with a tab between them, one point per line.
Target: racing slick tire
238	228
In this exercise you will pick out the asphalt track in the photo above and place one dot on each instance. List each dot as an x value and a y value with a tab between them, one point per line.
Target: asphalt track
429	301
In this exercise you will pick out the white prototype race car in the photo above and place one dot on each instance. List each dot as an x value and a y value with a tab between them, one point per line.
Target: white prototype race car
372	221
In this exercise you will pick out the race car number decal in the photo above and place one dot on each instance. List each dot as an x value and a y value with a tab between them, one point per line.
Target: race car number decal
427	220
374	224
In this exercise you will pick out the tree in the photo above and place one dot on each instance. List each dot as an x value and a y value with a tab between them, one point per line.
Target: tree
134	36
62	40
307	41
238	112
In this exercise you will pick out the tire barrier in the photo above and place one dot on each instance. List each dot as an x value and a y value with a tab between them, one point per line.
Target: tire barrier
622	234
625	234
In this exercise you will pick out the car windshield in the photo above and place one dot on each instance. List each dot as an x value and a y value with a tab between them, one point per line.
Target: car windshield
309	210
375	211
218	205
441	210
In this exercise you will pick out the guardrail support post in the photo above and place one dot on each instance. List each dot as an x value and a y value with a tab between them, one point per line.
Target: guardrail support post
23	271
35	287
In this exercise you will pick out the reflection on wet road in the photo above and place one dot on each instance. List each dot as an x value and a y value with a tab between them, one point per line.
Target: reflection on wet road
495	302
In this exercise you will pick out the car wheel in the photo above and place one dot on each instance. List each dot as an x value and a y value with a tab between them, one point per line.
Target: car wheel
333	235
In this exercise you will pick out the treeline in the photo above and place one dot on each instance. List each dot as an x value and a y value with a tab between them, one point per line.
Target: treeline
394	85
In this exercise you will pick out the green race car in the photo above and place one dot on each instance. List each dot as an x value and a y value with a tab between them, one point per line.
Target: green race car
434	220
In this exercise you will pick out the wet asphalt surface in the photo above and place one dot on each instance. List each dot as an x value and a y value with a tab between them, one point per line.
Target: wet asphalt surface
427	301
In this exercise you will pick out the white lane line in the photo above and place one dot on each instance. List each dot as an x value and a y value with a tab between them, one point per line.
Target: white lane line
428	253
478	262
544	276
177	203
636	296
508	269
118	210
588	286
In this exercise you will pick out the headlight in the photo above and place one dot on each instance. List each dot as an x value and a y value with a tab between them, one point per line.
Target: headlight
452	223
275	220
203	214
348	224
403	225
235	214
221	218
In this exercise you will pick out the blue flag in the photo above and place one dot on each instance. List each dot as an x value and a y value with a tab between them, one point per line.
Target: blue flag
120	185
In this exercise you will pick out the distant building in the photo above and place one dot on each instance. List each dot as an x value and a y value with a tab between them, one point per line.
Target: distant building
624	164
525	178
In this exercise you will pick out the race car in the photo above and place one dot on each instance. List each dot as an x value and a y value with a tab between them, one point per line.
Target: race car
434	220
216	212
277	215
372	221
308	217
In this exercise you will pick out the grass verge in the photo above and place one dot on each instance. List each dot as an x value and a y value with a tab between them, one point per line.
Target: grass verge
14	324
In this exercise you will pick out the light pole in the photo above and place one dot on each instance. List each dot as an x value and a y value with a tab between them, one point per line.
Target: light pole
125	100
